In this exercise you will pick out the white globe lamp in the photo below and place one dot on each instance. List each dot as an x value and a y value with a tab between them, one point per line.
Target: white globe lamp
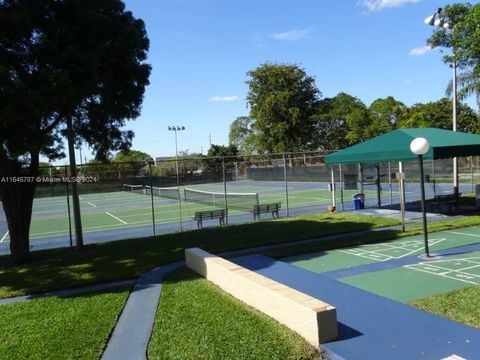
419	146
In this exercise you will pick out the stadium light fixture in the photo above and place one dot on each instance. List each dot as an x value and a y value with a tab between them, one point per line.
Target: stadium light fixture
420	146
175	129
437	20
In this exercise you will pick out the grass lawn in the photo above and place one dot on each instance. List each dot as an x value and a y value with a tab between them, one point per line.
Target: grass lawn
76	327
460	305
196	320
126	259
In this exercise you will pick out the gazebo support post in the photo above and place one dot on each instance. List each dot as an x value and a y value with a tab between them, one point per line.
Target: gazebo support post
401	179
342	184
334	200
379	197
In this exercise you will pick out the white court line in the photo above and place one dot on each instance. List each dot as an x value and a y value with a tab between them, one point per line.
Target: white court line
116	218
460	233
4	237
368	253
89	203
442	275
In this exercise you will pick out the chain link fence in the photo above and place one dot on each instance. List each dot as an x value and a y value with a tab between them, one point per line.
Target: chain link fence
125	200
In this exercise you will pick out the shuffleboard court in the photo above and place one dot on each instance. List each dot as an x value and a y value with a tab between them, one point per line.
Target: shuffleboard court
417	281
396	249
399	273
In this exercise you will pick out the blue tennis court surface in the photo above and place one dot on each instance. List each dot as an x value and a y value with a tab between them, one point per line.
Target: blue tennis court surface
372	326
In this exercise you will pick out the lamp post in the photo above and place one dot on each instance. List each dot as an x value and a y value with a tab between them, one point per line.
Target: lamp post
420	147
176	128
437	20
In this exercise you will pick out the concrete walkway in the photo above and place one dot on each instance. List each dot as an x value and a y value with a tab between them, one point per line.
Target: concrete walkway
132	333
68	292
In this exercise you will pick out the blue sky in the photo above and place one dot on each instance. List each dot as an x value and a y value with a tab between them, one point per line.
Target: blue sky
201	50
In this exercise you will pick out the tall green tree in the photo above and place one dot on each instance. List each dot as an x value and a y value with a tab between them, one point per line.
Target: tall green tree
64	62
242	135
214	161
282	100
463	39
387	112
332	123
439	114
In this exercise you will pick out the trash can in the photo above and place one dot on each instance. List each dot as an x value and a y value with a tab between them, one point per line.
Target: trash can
359	201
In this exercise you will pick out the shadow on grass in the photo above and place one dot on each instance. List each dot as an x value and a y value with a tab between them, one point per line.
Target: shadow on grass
128	259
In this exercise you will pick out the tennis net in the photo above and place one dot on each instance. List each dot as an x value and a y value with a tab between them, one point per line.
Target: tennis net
165	192
240	201
138	189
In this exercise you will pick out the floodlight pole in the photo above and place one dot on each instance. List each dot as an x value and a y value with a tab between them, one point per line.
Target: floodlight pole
175	129
437	20
454	118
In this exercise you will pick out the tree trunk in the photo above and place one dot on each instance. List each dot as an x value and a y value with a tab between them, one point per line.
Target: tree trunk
17	204
17	189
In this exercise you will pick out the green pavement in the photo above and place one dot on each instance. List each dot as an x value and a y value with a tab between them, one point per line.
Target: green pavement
410	282
421	280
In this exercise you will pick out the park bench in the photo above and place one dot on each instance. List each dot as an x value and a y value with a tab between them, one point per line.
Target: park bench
266	208
448	199
209	215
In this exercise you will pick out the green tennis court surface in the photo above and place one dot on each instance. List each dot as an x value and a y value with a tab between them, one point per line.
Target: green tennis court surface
114	211
408	282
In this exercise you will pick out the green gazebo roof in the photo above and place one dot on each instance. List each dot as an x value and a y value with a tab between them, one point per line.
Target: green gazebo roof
395	146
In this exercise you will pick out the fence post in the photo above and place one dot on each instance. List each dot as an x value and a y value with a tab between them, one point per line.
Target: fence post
151	196
225	190
286	183
341	184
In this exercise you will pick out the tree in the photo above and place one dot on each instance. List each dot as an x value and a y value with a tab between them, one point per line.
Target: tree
282	100
217	154
242	135
69	64
464	40
439	114
387	111
331	121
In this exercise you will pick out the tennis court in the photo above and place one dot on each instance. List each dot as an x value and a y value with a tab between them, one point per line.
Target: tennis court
112	213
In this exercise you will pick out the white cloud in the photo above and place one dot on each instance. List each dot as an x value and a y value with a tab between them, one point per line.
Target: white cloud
223	98
408	81
420	50
377	5
291	35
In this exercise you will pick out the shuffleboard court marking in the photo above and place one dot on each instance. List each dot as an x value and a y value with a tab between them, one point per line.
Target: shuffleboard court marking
116	218
438	268
410	248
462	233
4	237
89	203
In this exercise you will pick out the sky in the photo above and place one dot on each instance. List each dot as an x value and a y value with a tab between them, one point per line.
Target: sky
201	51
